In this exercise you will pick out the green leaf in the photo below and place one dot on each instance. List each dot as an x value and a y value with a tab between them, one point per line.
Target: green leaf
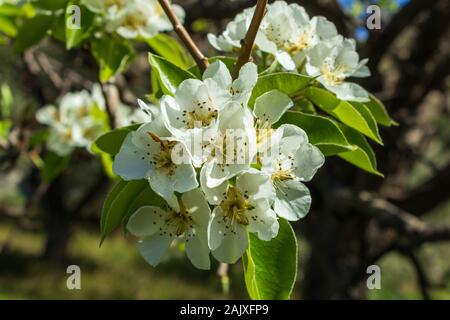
288	83
112	55
51	5
124	198
115	191
74	37
169	75
356	116
170	49
5	127
8	27
111	142
32	31
322	132
6	101
271	267
11	10
379	112
53	166
363	157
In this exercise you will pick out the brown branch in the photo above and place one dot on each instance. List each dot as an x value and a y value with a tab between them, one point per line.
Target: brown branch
112	102
195	52
249	40
422	277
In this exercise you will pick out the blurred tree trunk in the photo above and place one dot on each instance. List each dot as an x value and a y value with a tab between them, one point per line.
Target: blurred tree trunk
57	223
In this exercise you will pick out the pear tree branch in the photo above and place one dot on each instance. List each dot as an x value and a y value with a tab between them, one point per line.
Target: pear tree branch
181	31
249	40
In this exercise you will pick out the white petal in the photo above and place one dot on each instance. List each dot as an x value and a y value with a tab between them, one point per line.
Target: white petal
285	60
307	161
218	71
197	207
263	221
185	178
189	92
248	76
131	163
350	92
146	221
216	229
154	247
213	195
233	246
264	44
293	200
256	185
219	43
162	184
47	115
198	252
127	33
271	106
325	28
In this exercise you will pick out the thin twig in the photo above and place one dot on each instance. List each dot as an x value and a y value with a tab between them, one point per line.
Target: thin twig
249	40
422	277
112	102
178	27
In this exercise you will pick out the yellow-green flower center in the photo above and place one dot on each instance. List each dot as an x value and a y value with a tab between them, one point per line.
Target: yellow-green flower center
236	206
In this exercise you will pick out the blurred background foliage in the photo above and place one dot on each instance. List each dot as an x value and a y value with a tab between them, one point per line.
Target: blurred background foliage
357	220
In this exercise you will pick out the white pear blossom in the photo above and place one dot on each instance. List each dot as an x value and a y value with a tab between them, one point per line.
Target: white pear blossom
235	31
239	208
286	32
132	19
332	62
285	155
198	104
158	228
76	122
153	153
293	161
233	148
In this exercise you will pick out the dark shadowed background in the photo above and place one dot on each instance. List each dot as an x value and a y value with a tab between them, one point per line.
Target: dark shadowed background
401	223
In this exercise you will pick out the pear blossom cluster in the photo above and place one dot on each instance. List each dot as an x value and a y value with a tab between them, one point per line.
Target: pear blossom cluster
299	43
80	118
133	19
222	167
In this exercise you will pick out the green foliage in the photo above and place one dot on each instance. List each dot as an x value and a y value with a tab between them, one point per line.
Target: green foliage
379	112
74	37
32	31
6	101
111	141
170	49
168	74
363	157
288	83
51	5
322	132
354	115
112	55
271	267
123	199
8	27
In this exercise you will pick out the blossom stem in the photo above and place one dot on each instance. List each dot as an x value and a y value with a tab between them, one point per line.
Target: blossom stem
249	40
181	31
